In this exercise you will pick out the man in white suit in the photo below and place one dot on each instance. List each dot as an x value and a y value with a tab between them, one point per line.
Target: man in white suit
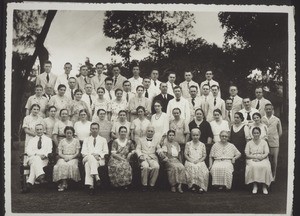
83	79
185	85
94	149
155	83
215	102
135	80
98	80
260	102
229	115
210	82
47	77
237	101
64	78
171	83
118	79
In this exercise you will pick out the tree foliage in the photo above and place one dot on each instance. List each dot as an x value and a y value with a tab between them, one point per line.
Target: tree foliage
154	30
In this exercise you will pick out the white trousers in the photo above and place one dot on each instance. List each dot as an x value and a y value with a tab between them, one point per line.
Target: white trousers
36	168
91	168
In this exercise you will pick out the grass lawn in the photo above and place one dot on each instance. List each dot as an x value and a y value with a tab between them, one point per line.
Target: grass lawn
47	200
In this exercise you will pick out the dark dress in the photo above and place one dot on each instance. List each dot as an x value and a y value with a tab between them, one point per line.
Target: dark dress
206	132
239	140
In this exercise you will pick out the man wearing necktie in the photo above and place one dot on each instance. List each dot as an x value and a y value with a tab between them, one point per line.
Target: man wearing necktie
210	82
215	102
248	111
155	83
46	77
229	114
163	97
64	78
94	149
127	93
195	101
171	83
88	97
237	101
146	150
83	79
37	150
260	102
185	85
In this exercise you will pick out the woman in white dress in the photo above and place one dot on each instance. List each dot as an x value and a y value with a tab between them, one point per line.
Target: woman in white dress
197	174
67	166
257	123
258	167
159	121
218	125
100	103
82	127
139	126
30	121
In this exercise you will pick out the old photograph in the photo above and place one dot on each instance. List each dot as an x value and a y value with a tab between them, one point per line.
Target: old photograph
149	109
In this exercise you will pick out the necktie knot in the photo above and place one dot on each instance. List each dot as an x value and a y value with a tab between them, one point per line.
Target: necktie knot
193	101
94	141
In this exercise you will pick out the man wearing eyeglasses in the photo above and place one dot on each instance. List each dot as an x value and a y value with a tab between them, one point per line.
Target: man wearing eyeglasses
237	101
210	82
37	150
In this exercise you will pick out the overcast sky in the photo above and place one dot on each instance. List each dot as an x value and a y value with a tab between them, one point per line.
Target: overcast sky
75	35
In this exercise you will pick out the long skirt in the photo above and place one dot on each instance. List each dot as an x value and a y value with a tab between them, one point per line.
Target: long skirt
197	174
259	172
119	172
175	171
66	170
221	173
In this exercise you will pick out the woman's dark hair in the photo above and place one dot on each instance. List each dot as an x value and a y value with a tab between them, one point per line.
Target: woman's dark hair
241	116
140	107
77	90
176	108
122	111
118	90
100	110
140	86
256	128
157	101
61	86
69	128
256	114
122	127
62	111
50	107
101	88
171	131
83	110
35	105
218	111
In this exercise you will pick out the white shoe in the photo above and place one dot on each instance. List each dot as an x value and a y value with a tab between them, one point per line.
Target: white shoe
254	191
265	190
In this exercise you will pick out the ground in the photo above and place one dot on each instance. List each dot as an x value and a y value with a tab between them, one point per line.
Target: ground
48	200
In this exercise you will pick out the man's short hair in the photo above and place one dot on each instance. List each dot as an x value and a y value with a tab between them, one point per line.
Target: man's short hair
48	62
108	79
99	63
215	86
82	66
95	123
193	86
126	81
176	87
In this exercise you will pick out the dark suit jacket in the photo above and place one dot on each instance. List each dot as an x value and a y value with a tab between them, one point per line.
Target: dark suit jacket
163	101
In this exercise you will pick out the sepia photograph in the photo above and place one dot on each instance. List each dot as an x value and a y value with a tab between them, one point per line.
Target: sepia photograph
149	109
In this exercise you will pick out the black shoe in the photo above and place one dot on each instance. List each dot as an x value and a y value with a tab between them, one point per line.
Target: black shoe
98	183
151	188
27	188
91	191
144	189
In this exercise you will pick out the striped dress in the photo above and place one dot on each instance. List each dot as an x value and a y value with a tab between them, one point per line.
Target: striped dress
222	167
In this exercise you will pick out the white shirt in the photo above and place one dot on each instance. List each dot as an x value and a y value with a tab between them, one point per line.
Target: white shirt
61	79
86	99
151	94
100	148
155	87
32	147
184	107
245	114
170	88
82	130
107	97
211	83
135	83
130	95
185	88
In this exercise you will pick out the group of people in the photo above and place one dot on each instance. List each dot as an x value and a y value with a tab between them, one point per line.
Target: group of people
186	129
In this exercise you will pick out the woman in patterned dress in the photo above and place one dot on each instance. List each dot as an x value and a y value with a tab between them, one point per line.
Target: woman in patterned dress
239	136
60	101
197	174
121	121
174	167
76	105
139	126
117	105
119	169
50	121
58	130
159	121
181	129
258	166
100	103
30	121
257	123
139	100
221	159
82	127
67	165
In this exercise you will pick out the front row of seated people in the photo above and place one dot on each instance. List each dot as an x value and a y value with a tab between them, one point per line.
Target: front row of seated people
149	150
